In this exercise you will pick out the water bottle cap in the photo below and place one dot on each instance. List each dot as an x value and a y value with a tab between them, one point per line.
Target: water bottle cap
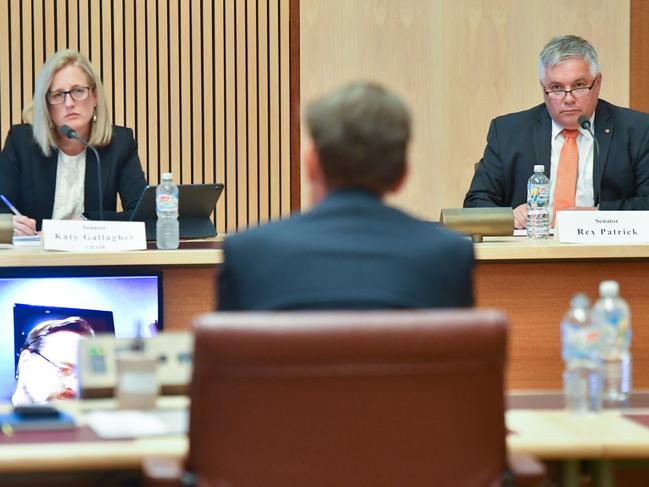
579	300
539	168
167	176
609	289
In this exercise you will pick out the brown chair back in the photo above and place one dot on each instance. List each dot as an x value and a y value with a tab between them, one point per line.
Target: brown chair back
390	398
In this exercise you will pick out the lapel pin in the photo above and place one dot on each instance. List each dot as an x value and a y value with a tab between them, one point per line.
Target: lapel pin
607	131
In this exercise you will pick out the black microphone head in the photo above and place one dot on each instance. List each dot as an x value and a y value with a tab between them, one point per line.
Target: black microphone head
583	121
67	131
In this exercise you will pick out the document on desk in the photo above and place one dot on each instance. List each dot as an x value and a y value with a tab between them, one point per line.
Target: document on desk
137	424
27	241
523	232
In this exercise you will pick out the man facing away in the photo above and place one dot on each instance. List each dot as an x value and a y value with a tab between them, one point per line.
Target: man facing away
614	176
350	251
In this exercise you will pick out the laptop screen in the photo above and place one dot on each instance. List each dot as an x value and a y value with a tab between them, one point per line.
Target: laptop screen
196	203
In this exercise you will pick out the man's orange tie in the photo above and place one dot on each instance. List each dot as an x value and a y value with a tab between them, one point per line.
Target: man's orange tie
566	185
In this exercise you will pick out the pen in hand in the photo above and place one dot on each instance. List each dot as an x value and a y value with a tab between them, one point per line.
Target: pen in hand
22	224
10	205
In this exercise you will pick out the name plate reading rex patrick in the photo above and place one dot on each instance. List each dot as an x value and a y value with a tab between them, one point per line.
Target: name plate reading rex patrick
603	227
88	235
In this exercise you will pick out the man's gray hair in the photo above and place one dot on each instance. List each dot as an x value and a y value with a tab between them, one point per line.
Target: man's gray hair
564	47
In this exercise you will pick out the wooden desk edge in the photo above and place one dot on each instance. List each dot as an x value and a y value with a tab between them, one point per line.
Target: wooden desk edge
17	258
504	249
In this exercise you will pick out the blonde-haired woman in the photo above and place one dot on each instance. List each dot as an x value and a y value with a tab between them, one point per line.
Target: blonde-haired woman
46	175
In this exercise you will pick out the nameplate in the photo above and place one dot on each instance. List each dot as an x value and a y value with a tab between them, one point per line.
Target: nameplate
88	235
603	227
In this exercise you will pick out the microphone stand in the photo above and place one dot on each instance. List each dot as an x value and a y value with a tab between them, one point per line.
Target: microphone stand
70	133
584	123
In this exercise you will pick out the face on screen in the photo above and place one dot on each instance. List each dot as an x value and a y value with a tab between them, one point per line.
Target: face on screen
51	372
108	304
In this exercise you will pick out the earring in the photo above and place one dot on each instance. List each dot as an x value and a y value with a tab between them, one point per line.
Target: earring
94	117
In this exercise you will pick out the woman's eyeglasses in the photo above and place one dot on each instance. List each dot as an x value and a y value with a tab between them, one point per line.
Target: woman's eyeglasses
78	93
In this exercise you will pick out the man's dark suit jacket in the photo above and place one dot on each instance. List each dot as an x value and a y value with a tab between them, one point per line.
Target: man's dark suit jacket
519	140
28	178
349	252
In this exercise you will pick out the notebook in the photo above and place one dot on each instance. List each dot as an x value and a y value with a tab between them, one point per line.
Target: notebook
196	204
28	418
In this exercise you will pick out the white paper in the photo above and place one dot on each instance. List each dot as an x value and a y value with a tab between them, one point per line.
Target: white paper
27	241
136	424
522	232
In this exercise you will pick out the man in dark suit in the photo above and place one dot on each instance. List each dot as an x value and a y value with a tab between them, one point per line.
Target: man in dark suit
350	251
616	179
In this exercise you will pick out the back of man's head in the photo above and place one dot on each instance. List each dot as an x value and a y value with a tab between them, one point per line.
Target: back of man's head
361	133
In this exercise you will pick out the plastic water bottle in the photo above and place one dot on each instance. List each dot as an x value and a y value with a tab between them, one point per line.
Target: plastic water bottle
538	204
581	341
613	313
167	210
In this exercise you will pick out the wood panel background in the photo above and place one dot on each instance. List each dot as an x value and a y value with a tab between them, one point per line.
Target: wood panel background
534	347
210	88
204	84
457	64
639	68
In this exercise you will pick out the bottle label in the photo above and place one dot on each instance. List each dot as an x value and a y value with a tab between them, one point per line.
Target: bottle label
618	331
166	202
581	343
538	195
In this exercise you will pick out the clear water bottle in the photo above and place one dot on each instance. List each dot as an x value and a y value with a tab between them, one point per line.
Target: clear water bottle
538	204
167	209
581	341
613	313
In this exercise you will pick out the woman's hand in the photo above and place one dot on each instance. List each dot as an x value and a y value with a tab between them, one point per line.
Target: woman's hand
23	225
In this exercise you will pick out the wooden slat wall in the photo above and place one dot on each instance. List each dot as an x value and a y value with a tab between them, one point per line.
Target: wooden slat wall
204	84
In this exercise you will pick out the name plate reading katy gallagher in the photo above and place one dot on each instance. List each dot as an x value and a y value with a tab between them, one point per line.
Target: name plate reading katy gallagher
90	236
603	227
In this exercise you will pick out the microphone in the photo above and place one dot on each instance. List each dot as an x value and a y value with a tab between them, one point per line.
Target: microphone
70	133
584	123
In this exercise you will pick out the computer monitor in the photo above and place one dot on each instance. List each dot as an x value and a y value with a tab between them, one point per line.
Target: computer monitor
116	303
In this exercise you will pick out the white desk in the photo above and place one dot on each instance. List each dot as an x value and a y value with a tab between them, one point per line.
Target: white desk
602	438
